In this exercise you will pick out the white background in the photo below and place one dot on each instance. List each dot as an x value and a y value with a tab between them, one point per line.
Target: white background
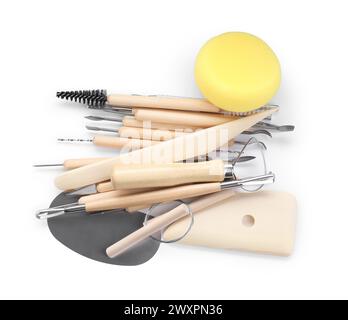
150	47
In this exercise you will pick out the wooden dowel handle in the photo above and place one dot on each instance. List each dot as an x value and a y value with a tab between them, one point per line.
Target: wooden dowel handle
164	220
111	194
169	194
162	102
132	122
148	134
77	163
139	207
105	186
166	175
117	142
194	119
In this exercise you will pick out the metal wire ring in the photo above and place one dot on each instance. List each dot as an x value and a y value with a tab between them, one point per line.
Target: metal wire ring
189	212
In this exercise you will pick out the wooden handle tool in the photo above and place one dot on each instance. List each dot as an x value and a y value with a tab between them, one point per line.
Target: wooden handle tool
114	142
156	196
163	221
122	142
132	122
105	186
149	134
112	194
190	119
163	195
77	163
73	163
100	99
161	102
175	150
165	175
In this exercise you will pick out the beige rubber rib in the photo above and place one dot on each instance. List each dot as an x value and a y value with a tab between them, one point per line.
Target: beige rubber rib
178	149
262	222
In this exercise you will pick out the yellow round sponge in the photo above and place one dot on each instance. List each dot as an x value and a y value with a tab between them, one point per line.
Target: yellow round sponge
237	71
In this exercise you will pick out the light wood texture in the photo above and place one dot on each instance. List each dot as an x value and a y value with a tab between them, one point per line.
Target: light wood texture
162	195
162	102
139	207
175	150
194	119
112	194
105	186
77	163
121	142
262	222
129	121
149	134
165	175
164	220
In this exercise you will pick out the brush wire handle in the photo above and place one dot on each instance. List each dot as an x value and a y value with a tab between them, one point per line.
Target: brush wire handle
77	163
132	122
165	175
194	119
161	102
163	195
164	220
121	142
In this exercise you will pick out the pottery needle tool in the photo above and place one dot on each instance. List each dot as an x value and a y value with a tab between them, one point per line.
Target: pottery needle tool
48	213
71	163
158	196
160	222
113	142
198	143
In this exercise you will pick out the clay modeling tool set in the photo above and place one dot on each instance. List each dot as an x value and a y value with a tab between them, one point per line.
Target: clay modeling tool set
179	164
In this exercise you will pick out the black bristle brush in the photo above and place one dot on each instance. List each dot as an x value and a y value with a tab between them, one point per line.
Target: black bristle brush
93	98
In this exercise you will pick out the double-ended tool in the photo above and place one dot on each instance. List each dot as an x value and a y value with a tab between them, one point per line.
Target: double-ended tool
157	196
